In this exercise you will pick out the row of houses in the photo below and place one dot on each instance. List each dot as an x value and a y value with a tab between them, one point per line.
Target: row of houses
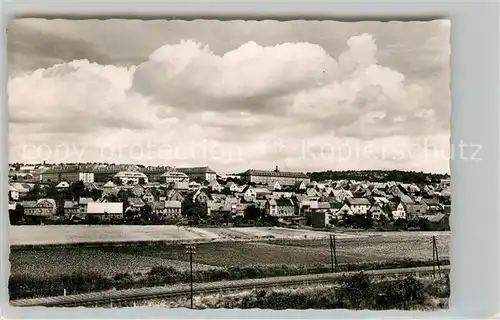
88	209
284	195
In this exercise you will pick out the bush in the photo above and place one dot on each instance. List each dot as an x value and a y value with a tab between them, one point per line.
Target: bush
356	291
400	294
26	286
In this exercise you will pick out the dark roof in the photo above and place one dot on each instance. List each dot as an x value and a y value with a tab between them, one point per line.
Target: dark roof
283	202
28	204
414	208
136	201
70	204
264	173
324	205
195	170
431	201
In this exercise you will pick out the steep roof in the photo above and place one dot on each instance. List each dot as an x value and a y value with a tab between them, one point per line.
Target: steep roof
284	202
359	201
109	184
83	200
324	205
28	204
62	184
135	201
431	201
70	204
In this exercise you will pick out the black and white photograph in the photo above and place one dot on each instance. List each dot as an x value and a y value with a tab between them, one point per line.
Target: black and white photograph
237	164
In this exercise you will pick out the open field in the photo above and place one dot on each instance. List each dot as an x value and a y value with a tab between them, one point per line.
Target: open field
60	261
305	252
351	248
59	234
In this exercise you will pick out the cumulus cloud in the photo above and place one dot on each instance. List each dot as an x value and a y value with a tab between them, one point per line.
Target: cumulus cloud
255	104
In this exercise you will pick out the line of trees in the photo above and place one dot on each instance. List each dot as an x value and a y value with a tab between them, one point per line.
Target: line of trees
378	176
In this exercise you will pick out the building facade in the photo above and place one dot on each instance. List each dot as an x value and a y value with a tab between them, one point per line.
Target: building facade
104	210
272	177
131	177
174	176
69	173
280	208
40	208
199	173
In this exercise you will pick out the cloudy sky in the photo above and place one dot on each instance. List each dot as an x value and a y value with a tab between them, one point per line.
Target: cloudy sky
233	95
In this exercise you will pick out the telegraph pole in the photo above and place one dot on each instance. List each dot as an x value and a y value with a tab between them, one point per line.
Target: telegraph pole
433	258
331	252
437	255
335	252
190	249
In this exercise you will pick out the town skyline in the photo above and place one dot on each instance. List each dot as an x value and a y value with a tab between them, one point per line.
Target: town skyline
254	94
173	167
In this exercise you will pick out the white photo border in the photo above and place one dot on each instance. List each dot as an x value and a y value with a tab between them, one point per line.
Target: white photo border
475	219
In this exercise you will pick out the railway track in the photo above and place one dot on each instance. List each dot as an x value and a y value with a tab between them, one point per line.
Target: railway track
118	297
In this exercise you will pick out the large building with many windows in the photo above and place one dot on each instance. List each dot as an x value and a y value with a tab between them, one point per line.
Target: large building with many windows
174	176
131	177
267	177
199	173
68	173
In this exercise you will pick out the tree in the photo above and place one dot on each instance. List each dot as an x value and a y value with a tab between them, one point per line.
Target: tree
193	210
368	221
117	181
77	190
142	181
383	220
16	215
35	193
95	194
401	224
253	213
147	213
130	182
51	191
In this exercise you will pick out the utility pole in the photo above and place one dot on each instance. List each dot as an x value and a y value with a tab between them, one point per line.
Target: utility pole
433	258
437	255
333	253
190	249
